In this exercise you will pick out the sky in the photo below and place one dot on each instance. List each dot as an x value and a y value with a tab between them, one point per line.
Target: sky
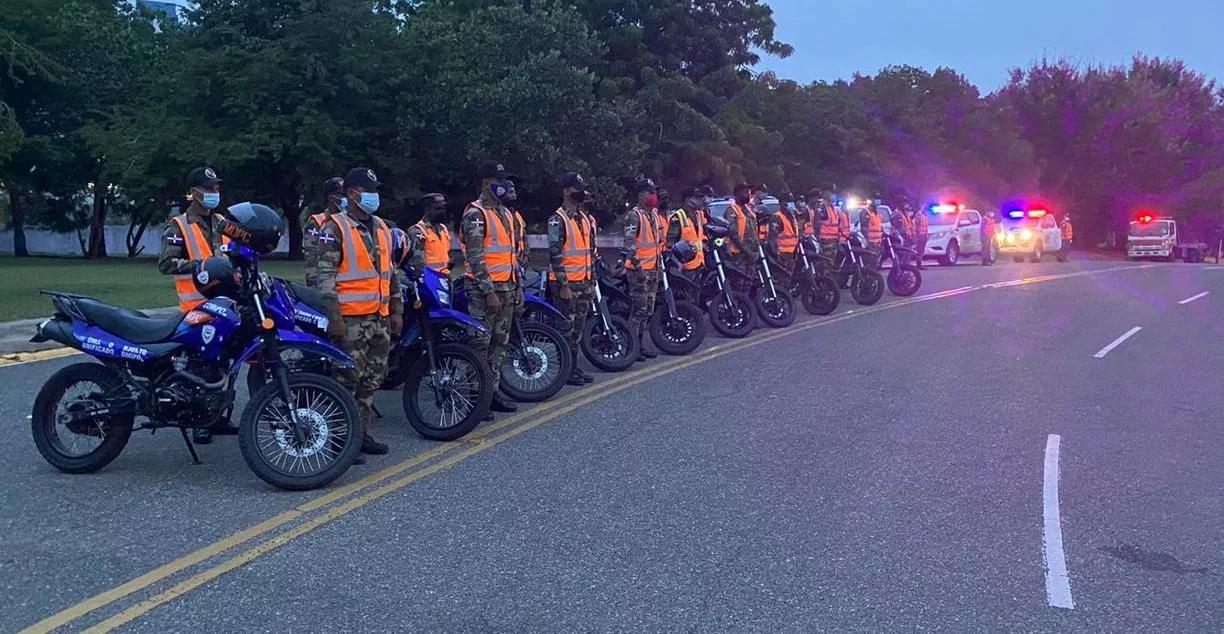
983	39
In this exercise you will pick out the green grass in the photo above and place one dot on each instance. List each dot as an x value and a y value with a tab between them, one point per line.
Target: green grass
134	283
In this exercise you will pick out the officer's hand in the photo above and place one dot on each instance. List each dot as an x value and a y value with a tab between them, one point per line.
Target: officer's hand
337	330
396	324
566	293
493	302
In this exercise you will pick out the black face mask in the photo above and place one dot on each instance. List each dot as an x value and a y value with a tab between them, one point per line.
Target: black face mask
437	215
741	198
578	197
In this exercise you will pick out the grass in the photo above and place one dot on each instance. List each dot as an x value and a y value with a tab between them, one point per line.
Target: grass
133	283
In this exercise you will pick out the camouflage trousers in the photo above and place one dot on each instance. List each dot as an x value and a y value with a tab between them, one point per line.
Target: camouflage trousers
782	268
831	249
495	340
643	287
575	309
368	342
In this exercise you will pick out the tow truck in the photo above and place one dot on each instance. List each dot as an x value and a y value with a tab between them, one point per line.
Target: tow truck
1152	237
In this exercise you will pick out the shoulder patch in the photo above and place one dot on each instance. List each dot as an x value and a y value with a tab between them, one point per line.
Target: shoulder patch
174	238
326	238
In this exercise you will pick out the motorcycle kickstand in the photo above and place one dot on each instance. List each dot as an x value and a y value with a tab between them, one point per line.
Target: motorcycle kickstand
195	458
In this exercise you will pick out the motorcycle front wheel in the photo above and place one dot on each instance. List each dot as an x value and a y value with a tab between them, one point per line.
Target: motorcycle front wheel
822	296
735	319
680	335
904	281
777	311
331	432
449	402
867	287
536	366
611	351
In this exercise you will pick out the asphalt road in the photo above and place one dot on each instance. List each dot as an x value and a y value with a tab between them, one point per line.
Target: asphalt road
881	470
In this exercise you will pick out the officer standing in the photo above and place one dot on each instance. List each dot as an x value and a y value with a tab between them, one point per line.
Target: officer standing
921	228
988	238
688	223
190	237
365	308
491	251
520	225
743	247
782	237
872	225
571	258
828	221
641	251
1068	234
430	237
334	202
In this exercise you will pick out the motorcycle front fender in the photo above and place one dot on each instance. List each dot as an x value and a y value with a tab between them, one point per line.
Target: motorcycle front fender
450	314
544	304
295	340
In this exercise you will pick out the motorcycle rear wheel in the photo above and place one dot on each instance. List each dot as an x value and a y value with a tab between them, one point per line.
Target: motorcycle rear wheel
114	431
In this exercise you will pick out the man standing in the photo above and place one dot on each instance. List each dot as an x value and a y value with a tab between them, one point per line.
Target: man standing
782	238
921	227
641	251
743	248
1068	234
872	225
688	223
365	308
193	237
494	288
430	238
334	202
571	258
988	238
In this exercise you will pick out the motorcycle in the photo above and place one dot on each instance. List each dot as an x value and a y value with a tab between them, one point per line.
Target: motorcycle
180	372
731	311
607	341
773	304
866	284
677	326
816	290
904	278
538	359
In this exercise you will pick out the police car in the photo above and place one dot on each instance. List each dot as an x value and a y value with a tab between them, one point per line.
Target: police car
1030	233
953	231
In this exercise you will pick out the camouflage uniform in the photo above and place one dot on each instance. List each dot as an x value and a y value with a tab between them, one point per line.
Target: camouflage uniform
643	286
579	305
310	247
872	255
748	243
368	340
417	239
495	340
173	259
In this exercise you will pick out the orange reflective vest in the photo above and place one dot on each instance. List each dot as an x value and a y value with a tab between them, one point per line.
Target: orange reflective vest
660	223
920	225
646	244
1067	231
500	246
829	227
576	254
694	234
907	225
788	237
843	225
741	227
520	235
875	228
198	250
363	286
437	247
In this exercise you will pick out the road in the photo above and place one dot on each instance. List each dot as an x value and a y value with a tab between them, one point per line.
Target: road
884	469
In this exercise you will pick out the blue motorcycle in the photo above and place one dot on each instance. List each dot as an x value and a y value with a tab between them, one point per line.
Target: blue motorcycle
180	372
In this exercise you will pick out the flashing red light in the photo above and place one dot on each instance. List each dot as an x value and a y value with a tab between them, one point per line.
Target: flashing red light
1037	213
1145	218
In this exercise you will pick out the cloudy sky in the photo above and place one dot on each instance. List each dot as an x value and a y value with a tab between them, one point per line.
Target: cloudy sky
984	38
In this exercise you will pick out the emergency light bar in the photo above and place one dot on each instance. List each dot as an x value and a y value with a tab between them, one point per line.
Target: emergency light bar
1015	213
1037	213
1145	218
943	209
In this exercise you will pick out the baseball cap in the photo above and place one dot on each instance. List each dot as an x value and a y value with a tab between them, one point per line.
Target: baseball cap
202	177
433	199
491	169
362	177
643	184
741	187
333	186
572	179
692	192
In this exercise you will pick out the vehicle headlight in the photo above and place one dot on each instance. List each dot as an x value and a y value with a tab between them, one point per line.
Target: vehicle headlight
444	298
1026	235
939	234
1011	238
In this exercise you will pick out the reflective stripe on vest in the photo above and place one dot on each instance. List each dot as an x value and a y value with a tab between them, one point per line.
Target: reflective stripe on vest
437	247
576	255
830	226
319	219
694	234
843	225
646	244
198	249
788	238
500	247
361	287
907	225
875	228
920	225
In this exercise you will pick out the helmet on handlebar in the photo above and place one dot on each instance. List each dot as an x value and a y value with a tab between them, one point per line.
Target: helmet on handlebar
252	225
216	277
684	251
717	227
401	247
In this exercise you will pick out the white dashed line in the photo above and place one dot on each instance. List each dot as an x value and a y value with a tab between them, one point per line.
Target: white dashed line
1193	297
1058	582
1117	342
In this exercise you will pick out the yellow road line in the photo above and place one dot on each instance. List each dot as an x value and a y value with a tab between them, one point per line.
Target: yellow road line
477	442
18	358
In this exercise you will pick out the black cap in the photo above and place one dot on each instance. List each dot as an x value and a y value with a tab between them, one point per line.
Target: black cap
433	199
786	197
333	186
643	184
202	177
708	190
362	177
491	169
572	179
692	192
741	187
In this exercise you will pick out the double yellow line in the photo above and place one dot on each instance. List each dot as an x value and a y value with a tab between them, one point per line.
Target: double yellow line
407	472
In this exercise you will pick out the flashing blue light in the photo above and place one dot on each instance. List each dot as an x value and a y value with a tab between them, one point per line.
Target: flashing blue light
1016	213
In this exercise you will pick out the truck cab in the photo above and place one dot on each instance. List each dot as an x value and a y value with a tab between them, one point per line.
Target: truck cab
1152	237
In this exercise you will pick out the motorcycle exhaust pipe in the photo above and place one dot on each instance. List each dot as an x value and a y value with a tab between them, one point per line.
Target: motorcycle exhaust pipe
57	330
187	376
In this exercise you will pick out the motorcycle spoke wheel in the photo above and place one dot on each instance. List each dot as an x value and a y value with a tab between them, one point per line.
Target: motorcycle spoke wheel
323	419
458	392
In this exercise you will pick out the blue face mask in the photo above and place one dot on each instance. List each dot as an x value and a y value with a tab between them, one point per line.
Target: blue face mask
210	200
369	202
343	204
499	190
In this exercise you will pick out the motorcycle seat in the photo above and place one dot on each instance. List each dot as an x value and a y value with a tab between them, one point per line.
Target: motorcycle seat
128	324
308	296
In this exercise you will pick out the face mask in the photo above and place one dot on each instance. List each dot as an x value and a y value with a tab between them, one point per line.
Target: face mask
652	200
210	200
578	197
369	202
437	214
741	199
499	190
343	204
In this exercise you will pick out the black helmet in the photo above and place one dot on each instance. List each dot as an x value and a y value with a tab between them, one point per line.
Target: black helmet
684	251
216	277
257	227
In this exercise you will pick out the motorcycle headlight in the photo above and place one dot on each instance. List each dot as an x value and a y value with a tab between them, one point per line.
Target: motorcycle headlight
444	298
